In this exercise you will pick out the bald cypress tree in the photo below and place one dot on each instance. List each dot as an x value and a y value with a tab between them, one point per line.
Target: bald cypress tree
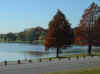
59	34
88	31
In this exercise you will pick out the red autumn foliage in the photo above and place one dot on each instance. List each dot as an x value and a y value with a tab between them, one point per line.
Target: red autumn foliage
82	31
59	33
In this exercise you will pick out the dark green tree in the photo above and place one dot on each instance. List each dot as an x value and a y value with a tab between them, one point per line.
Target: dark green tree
21	36
11	36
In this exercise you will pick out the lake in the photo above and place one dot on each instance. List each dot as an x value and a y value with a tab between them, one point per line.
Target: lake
15	51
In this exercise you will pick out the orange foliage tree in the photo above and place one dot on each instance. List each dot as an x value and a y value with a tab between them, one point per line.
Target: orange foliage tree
59	34
89	28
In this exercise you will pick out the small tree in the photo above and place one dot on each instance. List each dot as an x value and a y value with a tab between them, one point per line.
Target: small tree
59	33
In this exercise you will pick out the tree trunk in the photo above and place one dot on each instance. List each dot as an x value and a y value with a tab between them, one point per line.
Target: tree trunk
57	54
89	49
89	43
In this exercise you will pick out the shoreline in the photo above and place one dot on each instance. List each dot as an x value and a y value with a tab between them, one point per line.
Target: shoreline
29	42
26	61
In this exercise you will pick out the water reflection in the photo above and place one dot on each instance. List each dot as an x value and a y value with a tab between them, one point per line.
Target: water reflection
15	51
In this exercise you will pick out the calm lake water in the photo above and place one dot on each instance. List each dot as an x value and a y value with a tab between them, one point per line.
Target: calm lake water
15	51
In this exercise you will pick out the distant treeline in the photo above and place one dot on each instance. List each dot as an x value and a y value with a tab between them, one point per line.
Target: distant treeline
31	35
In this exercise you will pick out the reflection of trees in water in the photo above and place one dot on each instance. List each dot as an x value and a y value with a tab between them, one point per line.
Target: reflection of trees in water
68	51
36	53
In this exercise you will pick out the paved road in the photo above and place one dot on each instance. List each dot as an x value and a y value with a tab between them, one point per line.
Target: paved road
40	68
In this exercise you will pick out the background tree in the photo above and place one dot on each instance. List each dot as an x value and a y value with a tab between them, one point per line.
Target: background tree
11	36
33	34
30	35
59	34
42	35
3	37
21	36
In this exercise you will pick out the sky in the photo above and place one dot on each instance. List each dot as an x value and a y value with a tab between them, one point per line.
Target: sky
17	15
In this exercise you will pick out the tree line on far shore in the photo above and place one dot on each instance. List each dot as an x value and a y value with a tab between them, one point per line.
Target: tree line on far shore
31	35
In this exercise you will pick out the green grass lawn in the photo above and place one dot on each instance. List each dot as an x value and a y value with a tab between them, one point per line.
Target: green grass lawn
82	71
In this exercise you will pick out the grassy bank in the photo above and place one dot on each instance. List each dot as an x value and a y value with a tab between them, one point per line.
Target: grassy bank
81	71
76	56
